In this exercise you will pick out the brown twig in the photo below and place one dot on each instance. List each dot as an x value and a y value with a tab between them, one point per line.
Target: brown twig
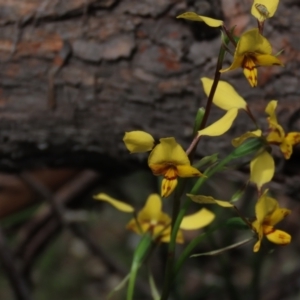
18	283
56	202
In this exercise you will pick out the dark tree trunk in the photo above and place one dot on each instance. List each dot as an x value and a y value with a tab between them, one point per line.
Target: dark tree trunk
76	74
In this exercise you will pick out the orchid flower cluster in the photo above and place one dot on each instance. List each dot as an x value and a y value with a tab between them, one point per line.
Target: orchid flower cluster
171	162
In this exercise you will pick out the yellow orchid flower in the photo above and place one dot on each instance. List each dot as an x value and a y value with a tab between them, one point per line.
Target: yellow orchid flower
268	213
277	135
138	141
264	9
153	220
251	51
170	160
225	97
194	17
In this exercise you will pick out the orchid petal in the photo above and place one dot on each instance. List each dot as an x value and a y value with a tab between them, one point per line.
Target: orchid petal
209	200
225	96
276	216
122	206
262	169
263	9
253	42
151	209
265	206
188	171
270	110
267	60
168	150
138	141
197	220
194	17
279	237
168	186
220	126
250	134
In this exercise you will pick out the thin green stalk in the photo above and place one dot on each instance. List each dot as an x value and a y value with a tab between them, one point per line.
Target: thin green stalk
172	245
138	258
169	274
229	35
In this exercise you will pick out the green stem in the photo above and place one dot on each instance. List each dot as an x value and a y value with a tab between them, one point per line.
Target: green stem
229	35
138	258
169	274
172	245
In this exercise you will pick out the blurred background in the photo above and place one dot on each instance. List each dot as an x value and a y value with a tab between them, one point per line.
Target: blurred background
75	75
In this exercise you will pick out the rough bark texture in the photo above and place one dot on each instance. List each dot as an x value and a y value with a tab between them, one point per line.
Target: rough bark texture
76	74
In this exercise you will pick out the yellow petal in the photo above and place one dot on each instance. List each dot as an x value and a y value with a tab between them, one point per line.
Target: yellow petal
179	238
194	17
220	126
279	237
289	141
262	169
197	220
270	110
293	138
276	135
250	71
252	42
276	216
225	96
250	134
257	246
122	206
263	9
209	200
188	171
151	209
137	228
286	149
168	151
265	206
165	236
138	141
168	186
237	63
267	60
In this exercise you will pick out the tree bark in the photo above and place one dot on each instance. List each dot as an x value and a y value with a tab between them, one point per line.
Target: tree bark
76	74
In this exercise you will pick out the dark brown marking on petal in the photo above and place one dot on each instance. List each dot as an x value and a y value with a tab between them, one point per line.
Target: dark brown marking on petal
286	213
171	177
249	68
